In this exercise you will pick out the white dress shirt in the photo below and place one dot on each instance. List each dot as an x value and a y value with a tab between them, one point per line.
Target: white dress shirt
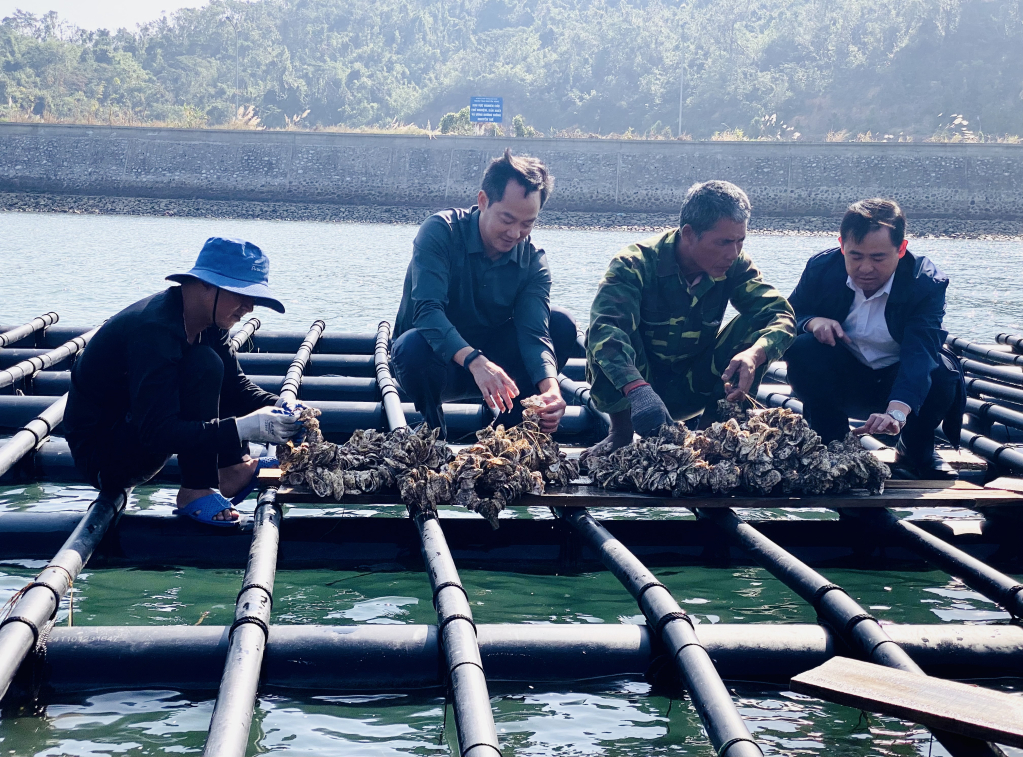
872	343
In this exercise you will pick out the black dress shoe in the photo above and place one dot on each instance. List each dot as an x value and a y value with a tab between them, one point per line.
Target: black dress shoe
930	468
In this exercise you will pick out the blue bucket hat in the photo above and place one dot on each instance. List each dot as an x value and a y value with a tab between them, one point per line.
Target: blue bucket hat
235	265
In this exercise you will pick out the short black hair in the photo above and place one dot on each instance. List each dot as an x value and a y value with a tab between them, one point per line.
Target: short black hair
707	203
870	215
529	172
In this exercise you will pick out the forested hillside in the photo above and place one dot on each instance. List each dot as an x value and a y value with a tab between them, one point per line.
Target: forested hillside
768	68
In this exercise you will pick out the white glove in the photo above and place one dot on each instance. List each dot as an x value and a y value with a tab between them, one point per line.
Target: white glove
294	407
269	425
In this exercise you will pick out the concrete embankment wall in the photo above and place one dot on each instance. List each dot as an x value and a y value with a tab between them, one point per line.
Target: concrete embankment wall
969	181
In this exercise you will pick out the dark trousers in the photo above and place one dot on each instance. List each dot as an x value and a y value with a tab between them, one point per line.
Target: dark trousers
116	458
429	381
834	385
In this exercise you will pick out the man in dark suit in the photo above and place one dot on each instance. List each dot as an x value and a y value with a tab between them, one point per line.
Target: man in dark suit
870	341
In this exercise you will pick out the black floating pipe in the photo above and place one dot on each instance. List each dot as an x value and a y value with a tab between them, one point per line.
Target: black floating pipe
385	383
474	718
277	363
725	727
32	435
980	388
575	368
1013	340
477	735
329	388
25	330
857	628
993	413
978	575
579	393
992	451
242	335
232	715
340	343
37	604
293	378
964	347
37	363
778	371
1000	373
368	657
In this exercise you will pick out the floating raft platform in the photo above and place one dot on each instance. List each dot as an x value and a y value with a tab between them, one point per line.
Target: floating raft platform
347	377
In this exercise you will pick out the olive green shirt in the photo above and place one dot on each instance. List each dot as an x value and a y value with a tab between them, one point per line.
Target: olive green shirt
646	316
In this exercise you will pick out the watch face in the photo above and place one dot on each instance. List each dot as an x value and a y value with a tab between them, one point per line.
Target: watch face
898	415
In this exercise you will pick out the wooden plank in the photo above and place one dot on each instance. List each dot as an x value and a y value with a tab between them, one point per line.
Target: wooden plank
938	704
962	494
1006	483
961	460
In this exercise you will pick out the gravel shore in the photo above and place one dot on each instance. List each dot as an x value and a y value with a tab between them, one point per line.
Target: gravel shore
640	222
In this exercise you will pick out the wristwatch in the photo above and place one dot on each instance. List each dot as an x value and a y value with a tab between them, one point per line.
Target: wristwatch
898	415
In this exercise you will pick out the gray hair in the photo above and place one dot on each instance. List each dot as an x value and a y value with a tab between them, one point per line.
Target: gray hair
708	202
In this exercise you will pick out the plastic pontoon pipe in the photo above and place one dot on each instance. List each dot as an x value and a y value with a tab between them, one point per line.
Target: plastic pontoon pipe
38	603
32	435
329	388
293	378
20	332
979	576
855	626
981	388
242	335
724	725
1013	340
1001	373
385	383
994	413
992	451
232	715
38	363
995	356
579	392
367	657
474	718
277	363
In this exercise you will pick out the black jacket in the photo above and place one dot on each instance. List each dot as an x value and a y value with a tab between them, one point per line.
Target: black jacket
130	368
914	312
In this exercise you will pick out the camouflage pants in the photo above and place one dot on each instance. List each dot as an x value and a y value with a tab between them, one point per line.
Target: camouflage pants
687	386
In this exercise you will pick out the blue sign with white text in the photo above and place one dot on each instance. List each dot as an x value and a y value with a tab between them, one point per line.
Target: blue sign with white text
486	110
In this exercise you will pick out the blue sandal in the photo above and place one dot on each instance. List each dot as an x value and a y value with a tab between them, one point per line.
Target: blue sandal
261	462
205	508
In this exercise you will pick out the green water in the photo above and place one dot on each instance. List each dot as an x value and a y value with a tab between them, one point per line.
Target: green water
616	719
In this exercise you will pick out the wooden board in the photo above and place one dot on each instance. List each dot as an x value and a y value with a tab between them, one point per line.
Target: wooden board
961	460
905	494
938	704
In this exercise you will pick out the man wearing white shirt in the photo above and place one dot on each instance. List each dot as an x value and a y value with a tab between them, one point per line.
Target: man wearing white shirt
870	341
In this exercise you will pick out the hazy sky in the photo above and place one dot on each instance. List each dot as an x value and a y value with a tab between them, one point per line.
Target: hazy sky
100	14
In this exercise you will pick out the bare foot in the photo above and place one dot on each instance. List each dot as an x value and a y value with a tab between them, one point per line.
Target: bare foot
188	496
234	478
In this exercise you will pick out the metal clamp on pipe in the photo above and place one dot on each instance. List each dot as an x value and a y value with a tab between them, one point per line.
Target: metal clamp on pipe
725	727
856	627
20	332
992	451
41	598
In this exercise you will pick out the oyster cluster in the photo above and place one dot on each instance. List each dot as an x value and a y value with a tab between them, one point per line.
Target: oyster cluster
495	471
770	451
369	462
485	477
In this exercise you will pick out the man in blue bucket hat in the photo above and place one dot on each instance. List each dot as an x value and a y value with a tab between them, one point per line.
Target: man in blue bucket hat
160	378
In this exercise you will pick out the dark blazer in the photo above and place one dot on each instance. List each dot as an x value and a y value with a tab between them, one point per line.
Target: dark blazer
915	309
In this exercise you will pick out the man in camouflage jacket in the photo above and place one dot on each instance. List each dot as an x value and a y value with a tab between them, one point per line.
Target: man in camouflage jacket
656	349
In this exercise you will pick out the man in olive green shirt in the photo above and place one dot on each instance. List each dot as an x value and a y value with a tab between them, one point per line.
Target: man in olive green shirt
656	349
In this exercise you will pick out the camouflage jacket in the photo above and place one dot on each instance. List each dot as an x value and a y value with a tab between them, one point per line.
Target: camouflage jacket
646	317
